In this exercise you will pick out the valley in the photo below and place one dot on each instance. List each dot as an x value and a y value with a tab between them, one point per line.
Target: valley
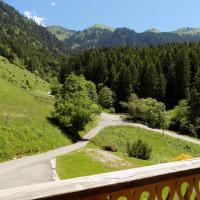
84	104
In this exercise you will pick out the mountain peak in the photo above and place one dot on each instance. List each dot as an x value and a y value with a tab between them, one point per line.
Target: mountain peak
188	31
101	26
153	30
60	32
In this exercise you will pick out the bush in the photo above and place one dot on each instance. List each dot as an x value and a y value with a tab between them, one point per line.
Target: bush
139	149
149	111
106	98
180	121
75	105
111	148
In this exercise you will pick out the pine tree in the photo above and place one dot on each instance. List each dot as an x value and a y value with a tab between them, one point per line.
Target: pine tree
124	86
183	72
172	87
161	87
194	103
148	80
194	100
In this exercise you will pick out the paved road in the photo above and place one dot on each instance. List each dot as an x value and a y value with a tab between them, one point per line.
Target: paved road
37	169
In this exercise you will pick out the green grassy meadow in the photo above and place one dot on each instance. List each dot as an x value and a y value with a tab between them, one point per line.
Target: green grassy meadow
24	125
164	149
25	128
79	164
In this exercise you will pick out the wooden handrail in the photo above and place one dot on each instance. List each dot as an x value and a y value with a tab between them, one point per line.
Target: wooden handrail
110	186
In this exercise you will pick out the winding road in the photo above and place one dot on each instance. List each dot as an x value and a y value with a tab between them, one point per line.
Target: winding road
37	169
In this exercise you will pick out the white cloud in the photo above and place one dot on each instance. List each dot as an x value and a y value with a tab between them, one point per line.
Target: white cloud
32	15
53	4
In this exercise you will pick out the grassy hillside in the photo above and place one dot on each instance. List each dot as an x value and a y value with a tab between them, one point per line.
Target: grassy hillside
60	32
21	77
24	111
165	149
101	26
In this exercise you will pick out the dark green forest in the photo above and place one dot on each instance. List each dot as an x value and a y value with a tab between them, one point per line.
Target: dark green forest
166	73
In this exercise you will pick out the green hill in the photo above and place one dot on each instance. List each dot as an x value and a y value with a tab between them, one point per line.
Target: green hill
24	111
101	26
22	78
60	32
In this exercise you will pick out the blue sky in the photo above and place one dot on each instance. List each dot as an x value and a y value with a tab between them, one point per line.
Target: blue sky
140	15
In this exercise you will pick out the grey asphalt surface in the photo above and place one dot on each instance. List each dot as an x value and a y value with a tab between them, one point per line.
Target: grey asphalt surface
37	169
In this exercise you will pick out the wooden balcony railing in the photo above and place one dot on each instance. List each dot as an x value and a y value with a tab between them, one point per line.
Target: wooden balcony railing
177	180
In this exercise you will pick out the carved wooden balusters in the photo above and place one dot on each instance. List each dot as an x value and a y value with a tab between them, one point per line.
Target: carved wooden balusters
185	188
169	181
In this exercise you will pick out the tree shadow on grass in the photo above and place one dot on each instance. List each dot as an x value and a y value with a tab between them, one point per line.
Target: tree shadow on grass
71	133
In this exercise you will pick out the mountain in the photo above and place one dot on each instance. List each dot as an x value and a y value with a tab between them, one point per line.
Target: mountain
27	44
188	31
101	26
98	37
60	32
88	38
153	30
104	36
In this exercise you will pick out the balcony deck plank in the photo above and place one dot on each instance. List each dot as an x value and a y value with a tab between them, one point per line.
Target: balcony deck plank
75	189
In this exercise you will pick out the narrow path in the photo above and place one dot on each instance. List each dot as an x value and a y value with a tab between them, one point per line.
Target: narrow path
171	134
37	169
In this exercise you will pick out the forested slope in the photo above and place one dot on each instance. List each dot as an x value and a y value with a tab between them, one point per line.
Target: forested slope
165	73
24	42
106	37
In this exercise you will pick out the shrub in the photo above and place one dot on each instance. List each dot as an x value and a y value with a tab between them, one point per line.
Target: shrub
75	105
148	111
180	121
139	149
106	98
111	148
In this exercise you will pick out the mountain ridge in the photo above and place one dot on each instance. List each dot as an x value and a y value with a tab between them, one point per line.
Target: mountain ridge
103	36
154	29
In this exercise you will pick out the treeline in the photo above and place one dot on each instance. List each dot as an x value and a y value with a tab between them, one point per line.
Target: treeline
165	73
24	42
